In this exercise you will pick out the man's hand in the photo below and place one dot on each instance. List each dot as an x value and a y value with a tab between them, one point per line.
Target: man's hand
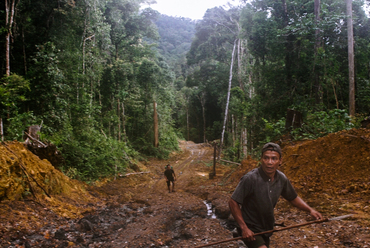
247	234
299	203
315	214
237	214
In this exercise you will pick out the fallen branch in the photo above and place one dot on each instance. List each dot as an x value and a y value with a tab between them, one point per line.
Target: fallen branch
29	183
230	162
349	135
104	133
35	140
134	173
35	202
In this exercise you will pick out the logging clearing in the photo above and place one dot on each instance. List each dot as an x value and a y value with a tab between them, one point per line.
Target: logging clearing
41	207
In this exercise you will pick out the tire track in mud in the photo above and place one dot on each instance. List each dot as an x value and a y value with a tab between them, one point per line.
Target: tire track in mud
193	148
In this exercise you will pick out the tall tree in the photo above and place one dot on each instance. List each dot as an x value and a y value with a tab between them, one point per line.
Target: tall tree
228	97
202	99
155	124
316	68
10	7
351	62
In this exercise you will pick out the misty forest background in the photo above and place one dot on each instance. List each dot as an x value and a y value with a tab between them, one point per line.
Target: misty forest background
92	71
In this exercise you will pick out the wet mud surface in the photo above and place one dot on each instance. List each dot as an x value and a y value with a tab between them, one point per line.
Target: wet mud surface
138	211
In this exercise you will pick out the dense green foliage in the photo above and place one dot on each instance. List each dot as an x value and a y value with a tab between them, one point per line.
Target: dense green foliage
88	75
92	70
175	37
283	63
317	124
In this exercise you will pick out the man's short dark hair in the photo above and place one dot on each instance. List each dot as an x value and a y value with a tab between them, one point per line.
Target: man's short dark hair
270	146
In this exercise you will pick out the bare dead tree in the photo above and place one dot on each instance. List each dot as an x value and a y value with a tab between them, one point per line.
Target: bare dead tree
228	98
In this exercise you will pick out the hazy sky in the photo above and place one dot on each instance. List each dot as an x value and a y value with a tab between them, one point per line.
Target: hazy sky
193	9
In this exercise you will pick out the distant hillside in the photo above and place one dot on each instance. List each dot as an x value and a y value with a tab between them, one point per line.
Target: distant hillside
176	34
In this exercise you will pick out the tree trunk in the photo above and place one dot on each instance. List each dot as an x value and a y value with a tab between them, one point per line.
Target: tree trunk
240	62
293	120
233	128
317	86
351	64
9	16
116	46
1	129
7	52
228	99
24	54
123	122
119	119
155	118
288	46
240	53
84	51
335	93
240	143
204	124
202	99
214	158
251	89
77	92
245	142
187	122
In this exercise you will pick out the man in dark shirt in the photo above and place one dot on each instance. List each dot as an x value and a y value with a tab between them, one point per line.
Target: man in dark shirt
170	176
258	192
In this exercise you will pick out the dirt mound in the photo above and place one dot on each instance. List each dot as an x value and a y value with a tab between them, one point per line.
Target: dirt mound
335	164
24	175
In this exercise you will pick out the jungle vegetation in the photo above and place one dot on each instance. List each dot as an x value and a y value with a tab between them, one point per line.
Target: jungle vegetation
98	74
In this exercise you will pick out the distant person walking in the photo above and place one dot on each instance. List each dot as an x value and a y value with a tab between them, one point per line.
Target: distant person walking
254	199
170	176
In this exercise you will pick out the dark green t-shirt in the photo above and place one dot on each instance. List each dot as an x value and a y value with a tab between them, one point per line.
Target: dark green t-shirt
169	174
258	197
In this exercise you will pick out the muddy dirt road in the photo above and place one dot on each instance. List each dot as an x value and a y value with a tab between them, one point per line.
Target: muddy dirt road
177	219
138	211
132	211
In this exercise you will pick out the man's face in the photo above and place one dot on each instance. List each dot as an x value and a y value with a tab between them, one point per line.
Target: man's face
270	162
